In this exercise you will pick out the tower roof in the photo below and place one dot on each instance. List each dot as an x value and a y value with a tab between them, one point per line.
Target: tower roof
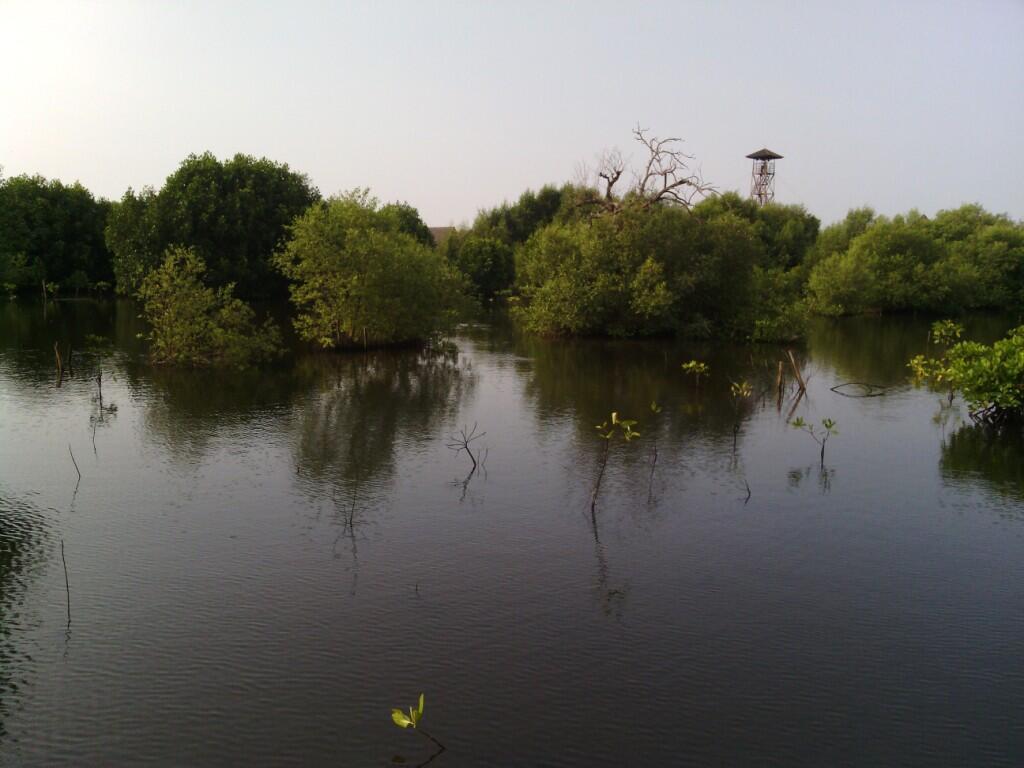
764	154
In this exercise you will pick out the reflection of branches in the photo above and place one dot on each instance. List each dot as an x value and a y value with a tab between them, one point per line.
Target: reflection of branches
348	530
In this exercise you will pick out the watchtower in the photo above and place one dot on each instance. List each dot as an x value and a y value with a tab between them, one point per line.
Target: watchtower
762	176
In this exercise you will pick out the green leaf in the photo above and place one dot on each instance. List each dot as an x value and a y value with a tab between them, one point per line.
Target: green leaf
421	704
400	719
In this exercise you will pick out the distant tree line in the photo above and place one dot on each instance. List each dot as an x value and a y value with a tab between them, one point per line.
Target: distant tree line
660	256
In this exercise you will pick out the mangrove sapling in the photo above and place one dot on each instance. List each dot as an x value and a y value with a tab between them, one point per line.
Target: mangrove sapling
828	427
412	720
943	333
606	432
740	391
696	369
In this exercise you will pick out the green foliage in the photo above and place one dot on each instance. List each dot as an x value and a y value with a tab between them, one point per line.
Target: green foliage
991	378
777	311
786	232
740	390
616	426
638	272
357	279
407	219
696	368
946	332
487	262
132	237
233	214
836	238
514	223
828	429
485	252
411	720
193	324
51	231
962	259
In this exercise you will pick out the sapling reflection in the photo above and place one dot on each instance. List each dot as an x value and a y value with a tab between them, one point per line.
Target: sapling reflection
696	369
412	720
828	429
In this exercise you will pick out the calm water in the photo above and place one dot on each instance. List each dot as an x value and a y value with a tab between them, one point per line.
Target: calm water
261	565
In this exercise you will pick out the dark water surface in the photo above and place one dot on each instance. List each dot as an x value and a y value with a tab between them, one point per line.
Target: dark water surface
262	564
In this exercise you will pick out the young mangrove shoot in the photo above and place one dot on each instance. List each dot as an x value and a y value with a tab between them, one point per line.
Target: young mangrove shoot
696	369
607	431
412	720
740	391
828	429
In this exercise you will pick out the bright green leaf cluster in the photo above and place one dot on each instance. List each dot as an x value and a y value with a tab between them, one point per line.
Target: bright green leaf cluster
624	427
411	720
828	427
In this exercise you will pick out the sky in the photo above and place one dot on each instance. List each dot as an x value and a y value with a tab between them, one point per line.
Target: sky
457	106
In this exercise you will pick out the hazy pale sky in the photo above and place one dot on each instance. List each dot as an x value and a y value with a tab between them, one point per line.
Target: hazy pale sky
454	106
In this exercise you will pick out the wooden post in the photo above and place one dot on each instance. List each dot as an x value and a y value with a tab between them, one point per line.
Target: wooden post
796	371
60	363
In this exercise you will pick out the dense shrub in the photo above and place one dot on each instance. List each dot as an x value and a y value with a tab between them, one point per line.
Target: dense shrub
357	279
641	271
487	262
193	324
991	378
484	253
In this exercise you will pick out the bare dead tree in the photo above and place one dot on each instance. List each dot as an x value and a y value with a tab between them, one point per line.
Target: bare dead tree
667	177
610	167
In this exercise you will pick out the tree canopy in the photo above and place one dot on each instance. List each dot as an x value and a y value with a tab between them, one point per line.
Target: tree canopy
52	232
357	278
233	214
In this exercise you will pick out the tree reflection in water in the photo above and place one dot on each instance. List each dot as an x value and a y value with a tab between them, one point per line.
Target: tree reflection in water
977	455
358	409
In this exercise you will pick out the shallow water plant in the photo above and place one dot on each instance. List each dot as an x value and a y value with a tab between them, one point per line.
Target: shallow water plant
828	429
412	720
990	377
696	368
607	431
740	391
